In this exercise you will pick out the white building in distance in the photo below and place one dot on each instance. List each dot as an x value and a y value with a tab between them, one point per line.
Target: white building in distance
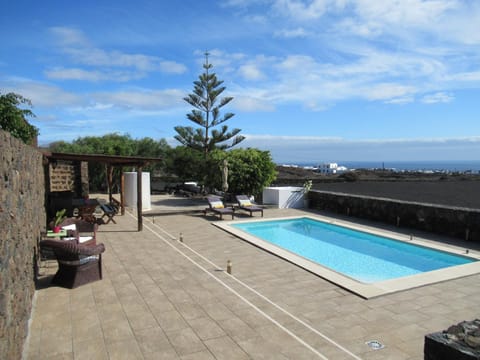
331	168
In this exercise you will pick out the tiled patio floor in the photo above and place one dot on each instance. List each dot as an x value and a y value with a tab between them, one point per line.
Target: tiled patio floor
163	299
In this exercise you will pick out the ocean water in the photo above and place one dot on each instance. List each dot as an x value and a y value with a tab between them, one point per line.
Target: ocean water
447	166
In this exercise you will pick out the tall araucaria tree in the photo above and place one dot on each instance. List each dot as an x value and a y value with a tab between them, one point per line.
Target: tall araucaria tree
206	115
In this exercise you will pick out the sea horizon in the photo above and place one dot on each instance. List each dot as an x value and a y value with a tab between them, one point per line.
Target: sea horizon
414	165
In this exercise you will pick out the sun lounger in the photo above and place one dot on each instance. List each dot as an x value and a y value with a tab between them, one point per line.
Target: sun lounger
216	205
246	204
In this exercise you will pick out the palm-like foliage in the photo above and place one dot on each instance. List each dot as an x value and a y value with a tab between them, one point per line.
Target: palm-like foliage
207	103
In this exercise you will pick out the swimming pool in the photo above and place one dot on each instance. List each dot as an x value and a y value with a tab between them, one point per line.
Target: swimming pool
366	263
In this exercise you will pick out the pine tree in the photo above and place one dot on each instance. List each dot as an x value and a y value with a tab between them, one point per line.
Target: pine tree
206	115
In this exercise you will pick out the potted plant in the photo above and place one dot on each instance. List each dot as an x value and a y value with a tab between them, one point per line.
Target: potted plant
59	217
307	185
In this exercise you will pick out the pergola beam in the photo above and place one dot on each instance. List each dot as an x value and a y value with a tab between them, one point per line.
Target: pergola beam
111	161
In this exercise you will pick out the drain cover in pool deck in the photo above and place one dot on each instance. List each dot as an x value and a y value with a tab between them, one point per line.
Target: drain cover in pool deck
375	345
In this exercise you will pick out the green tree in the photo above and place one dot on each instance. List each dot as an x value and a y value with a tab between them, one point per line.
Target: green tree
185	163
249	170
207	103
112	144
14	119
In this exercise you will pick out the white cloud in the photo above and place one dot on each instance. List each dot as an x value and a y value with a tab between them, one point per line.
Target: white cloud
463	26
172	67
49	98
251	104
472	76
439	97
292	33
407	12
69	36
251	72
302	79
75	44
387	91
301	11
41	94
142	99
75	74
401	100
415	46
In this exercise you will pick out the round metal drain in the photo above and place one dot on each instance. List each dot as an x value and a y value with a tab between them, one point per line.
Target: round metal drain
375	345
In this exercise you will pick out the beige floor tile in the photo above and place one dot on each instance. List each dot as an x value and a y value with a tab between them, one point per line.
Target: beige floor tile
133	304
153	340
117	330
112	312
185	341
237	329
142	320
88	328
64	356
258	348
170	354
57	345
91	349
206	328
170	321
158	305
202	355
252	317
124	350
225	348
190	310
177	296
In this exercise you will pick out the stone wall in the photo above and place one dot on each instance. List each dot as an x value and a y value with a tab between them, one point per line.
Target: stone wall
451	221
62	176
22	217
68	176
65	180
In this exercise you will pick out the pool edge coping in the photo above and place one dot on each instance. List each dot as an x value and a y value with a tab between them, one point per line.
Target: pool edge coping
367	291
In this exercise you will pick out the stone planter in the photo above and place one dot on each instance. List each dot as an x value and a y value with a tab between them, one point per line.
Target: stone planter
459	342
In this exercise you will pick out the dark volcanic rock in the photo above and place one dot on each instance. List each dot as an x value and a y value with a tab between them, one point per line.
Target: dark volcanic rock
461	341
450	193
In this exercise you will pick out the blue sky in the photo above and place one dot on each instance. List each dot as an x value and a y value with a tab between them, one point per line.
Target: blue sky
317	80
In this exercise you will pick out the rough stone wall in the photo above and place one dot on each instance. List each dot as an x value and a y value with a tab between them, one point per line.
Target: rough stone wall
451	221
62	176
70	176
22	218
84	188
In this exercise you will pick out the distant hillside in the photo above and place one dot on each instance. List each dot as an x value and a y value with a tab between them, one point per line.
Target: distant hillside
452	190
292	174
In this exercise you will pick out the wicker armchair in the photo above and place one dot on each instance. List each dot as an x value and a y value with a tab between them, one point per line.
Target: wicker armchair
85	232
77	264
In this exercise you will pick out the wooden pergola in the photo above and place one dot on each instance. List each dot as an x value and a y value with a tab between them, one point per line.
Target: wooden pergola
112	161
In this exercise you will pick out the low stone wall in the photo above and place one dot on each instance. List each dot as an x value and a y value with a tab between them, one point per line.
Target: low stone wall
22	217
457	222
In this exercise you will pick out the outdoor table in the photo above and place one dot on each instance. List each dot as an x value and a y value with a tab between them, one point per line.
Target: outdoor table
60	234
86	208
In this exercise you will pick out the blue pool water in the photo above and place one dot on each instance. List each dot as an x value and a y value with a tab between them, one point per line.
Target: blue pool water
365	257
